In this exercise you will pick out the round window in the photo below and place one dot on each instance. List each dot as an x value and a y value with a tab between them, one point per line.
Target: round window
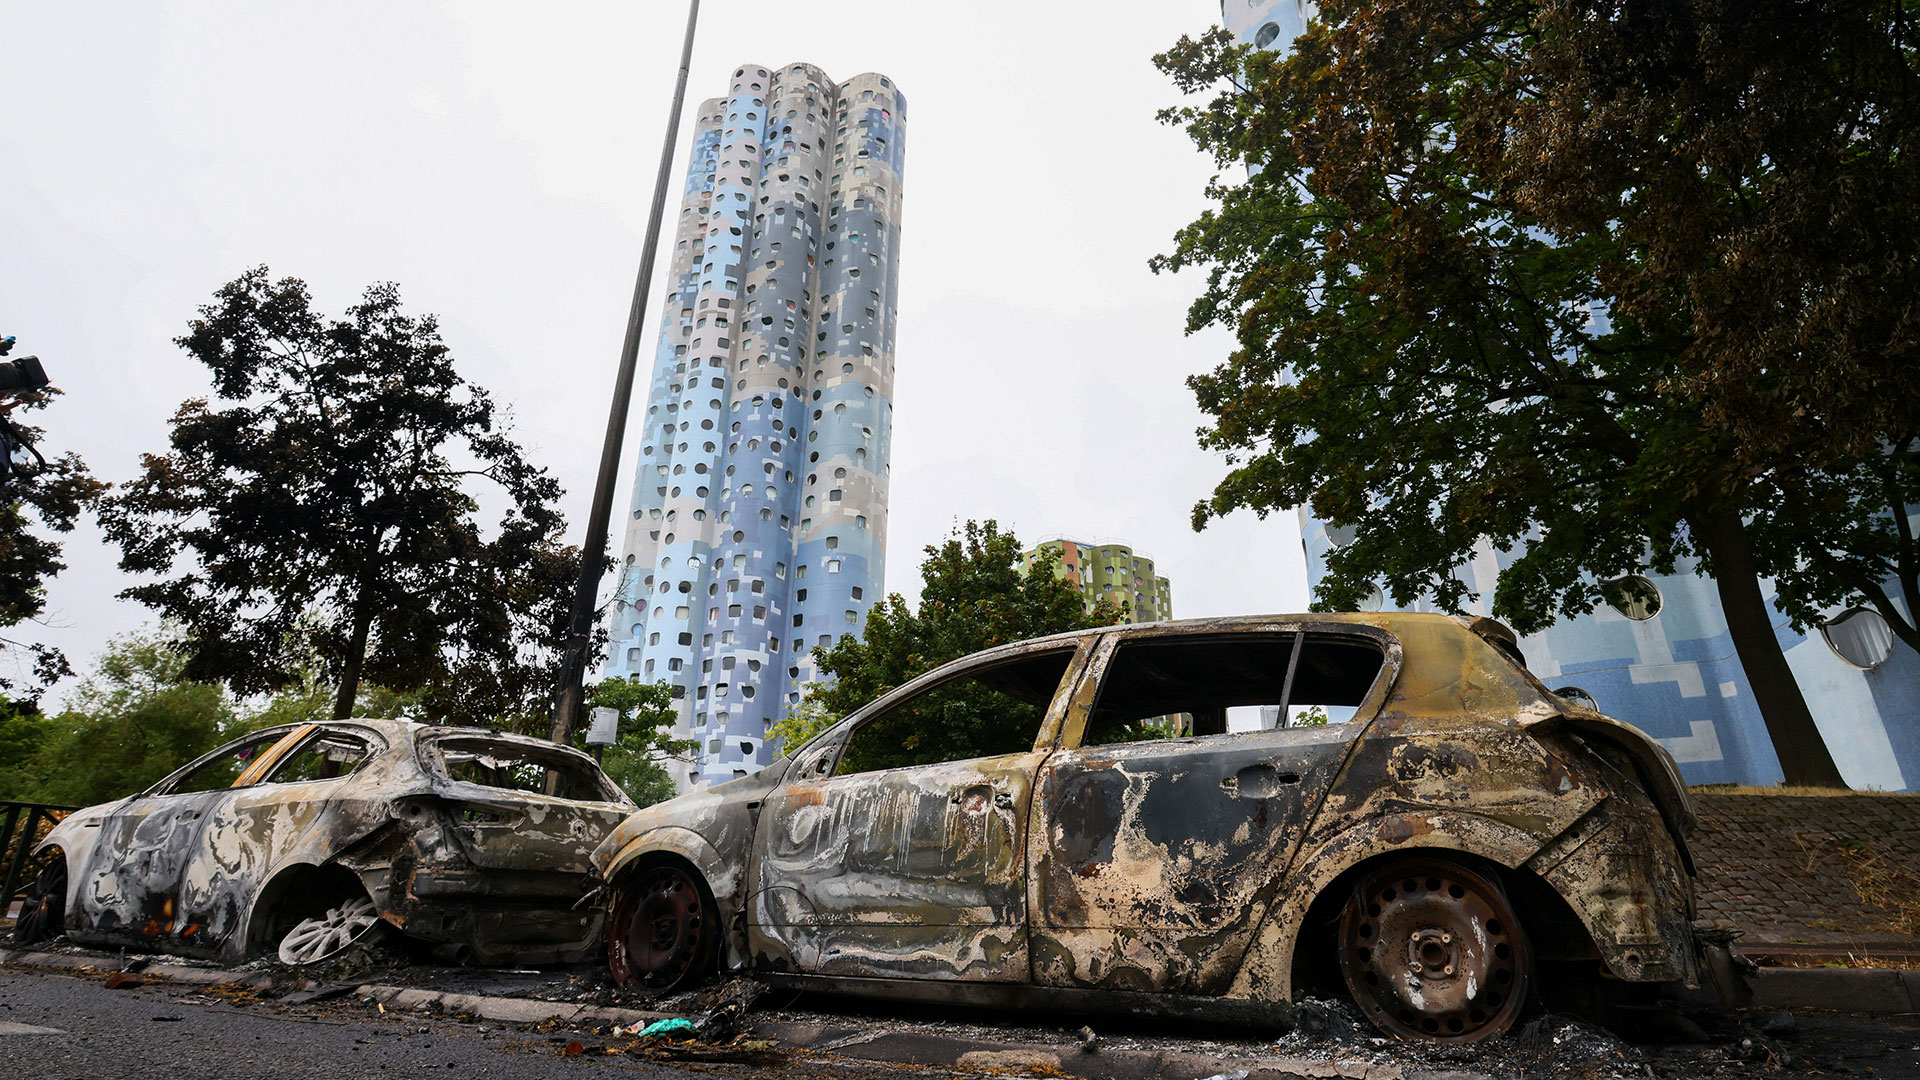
1634	596
1374	601
1264	36
1861	637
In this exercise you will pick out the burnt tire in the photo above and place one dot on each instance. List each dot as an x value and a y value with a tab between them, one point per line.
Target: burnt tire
665	932
43	912
1432	951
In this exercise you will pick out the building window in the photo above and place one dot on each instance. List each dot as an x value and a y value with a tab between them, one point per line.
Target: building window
1634	596
1860	636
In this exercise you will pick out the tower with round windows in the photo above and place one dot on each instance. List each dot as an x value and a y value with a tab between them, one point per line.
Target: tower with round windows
758	521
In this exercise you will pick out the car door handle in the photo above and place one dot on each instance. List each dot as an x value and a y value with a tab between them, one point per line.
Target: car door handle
1003	800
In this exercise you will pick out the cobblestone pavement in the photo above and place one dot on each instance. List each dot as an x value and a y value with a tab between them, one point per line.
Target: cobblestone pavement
1837	872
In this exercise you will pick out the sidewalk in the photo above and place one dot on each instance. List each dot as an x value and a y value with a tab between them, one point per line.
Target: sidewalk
1812	879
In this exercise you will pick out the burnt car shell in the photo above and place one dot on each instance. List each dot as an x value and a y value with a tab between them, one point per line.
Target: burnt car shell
1209	869
492	874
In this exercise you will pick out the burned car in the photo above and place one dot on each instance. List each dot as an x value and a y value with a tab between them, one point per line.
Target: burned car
1188	817
305	838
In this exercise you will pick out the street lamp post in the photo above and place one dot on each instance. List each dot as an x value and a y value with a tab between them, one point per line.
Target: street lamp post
573	668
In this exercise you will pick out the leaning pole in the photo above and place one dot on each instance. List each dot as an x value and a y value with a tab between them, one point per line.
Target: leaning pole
578	643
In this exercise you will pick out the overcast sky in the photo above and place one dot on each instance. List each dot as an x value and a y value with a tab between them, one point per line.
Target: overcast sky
497	160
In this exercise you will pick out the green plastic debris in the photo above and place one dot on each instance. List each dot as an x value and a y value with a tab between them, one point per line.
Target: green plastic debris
668	1027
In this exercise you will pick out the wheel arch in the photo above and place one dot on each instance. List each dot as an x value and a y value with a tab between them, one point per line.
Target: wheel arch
1544	914
1330	866
678	844
328	880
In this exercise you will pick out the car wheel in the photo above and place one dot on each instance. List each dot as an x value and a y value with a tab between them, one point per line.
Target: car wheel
317	937
43	912
1432	951
664	932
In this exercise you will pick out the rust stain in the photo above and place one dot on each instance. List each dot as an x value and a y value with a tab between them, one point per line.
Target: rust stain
1400	828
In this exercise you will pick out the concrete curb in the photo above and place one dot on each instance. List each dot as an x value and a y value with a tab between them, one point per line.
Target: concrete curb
1876	991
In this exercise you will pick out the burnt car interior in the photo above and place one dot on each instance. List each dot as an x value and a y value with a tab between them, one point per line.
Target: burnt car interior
497	763
329	755
987	712
1250	681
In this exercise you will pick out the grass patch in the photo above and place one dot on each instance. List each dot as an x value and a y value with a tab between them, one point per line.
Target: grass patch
1783	789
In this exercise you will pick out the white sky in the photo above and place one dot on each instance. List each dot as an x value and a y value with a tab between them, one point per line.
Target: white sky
496	160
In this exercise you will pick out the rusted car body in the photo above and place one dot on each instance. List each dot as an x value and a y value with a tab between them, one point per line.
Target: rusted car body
447	834
1462	829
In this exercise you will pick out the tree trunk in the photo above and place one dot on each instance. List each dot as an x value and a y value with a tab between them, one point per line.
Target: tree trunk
350	666
1796	739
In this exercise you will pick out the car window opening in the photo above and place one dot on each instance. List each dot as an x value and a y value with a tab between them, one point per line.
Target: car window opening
1159	689
224	771
984	713
327	757
518	768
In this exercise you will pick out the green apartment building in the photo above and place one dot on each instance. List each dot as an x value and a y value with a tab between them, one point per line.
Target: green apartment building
1109	571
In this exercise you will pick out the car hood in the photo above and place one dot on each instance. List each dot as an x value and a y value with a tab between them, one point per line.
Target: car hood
702	811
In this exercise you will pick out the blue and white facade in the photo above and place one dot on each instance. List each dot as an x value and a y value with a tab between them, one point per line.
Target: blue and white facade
1665	662
758	524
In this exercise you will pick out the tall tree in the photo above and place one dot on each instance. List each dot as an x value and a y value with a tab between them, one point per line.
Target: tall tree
974	595
1423	360
323	507
38	498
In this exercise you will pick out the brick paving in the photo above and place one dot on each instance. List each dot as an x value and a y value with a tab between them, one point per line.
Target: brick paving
1836	872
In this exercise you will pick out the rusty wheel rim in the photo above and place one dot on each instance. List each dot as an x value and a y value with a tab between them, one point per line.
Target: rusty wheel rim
659	931
1432	952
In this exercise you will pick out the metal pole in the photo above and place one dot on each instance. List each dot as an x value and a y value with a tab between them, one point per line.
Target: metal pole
573	669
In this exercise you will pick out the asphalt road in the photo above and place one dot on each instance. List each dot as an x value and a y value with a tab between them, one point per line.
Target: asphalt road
63	1027
56	1025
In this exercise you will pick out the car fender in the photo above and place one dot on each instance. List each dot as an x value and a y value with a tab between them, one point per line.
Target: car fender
1266	969
76	836
687	844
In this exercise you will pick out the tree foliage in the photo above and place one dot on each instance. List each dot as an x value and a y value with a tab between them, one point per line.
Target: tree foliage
131	722
974	595
646	737
40	499
323	507
1458	316
803	721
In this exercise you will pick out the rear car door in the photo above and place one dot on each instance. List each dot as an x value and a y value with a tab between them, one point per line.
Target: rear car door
1179	799
246	837
897	847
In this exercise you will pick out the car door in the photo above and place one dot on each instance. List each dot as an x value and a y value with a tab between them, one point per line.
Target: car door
896	848
1176	802
133	878
270	812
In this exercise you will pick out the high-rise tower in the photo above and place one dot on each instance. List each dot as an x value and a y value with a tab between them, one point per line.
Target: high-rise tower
759	516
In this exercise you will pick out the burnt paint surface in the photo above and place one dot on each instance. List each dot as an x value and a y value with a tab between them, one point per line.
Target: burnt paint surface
1188	866
1160	856
494	870
916	872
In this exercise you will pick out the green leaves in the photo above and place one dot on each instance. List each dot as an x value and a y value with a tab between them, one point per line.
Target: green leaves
1584	280
974	595
321	507
646	737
